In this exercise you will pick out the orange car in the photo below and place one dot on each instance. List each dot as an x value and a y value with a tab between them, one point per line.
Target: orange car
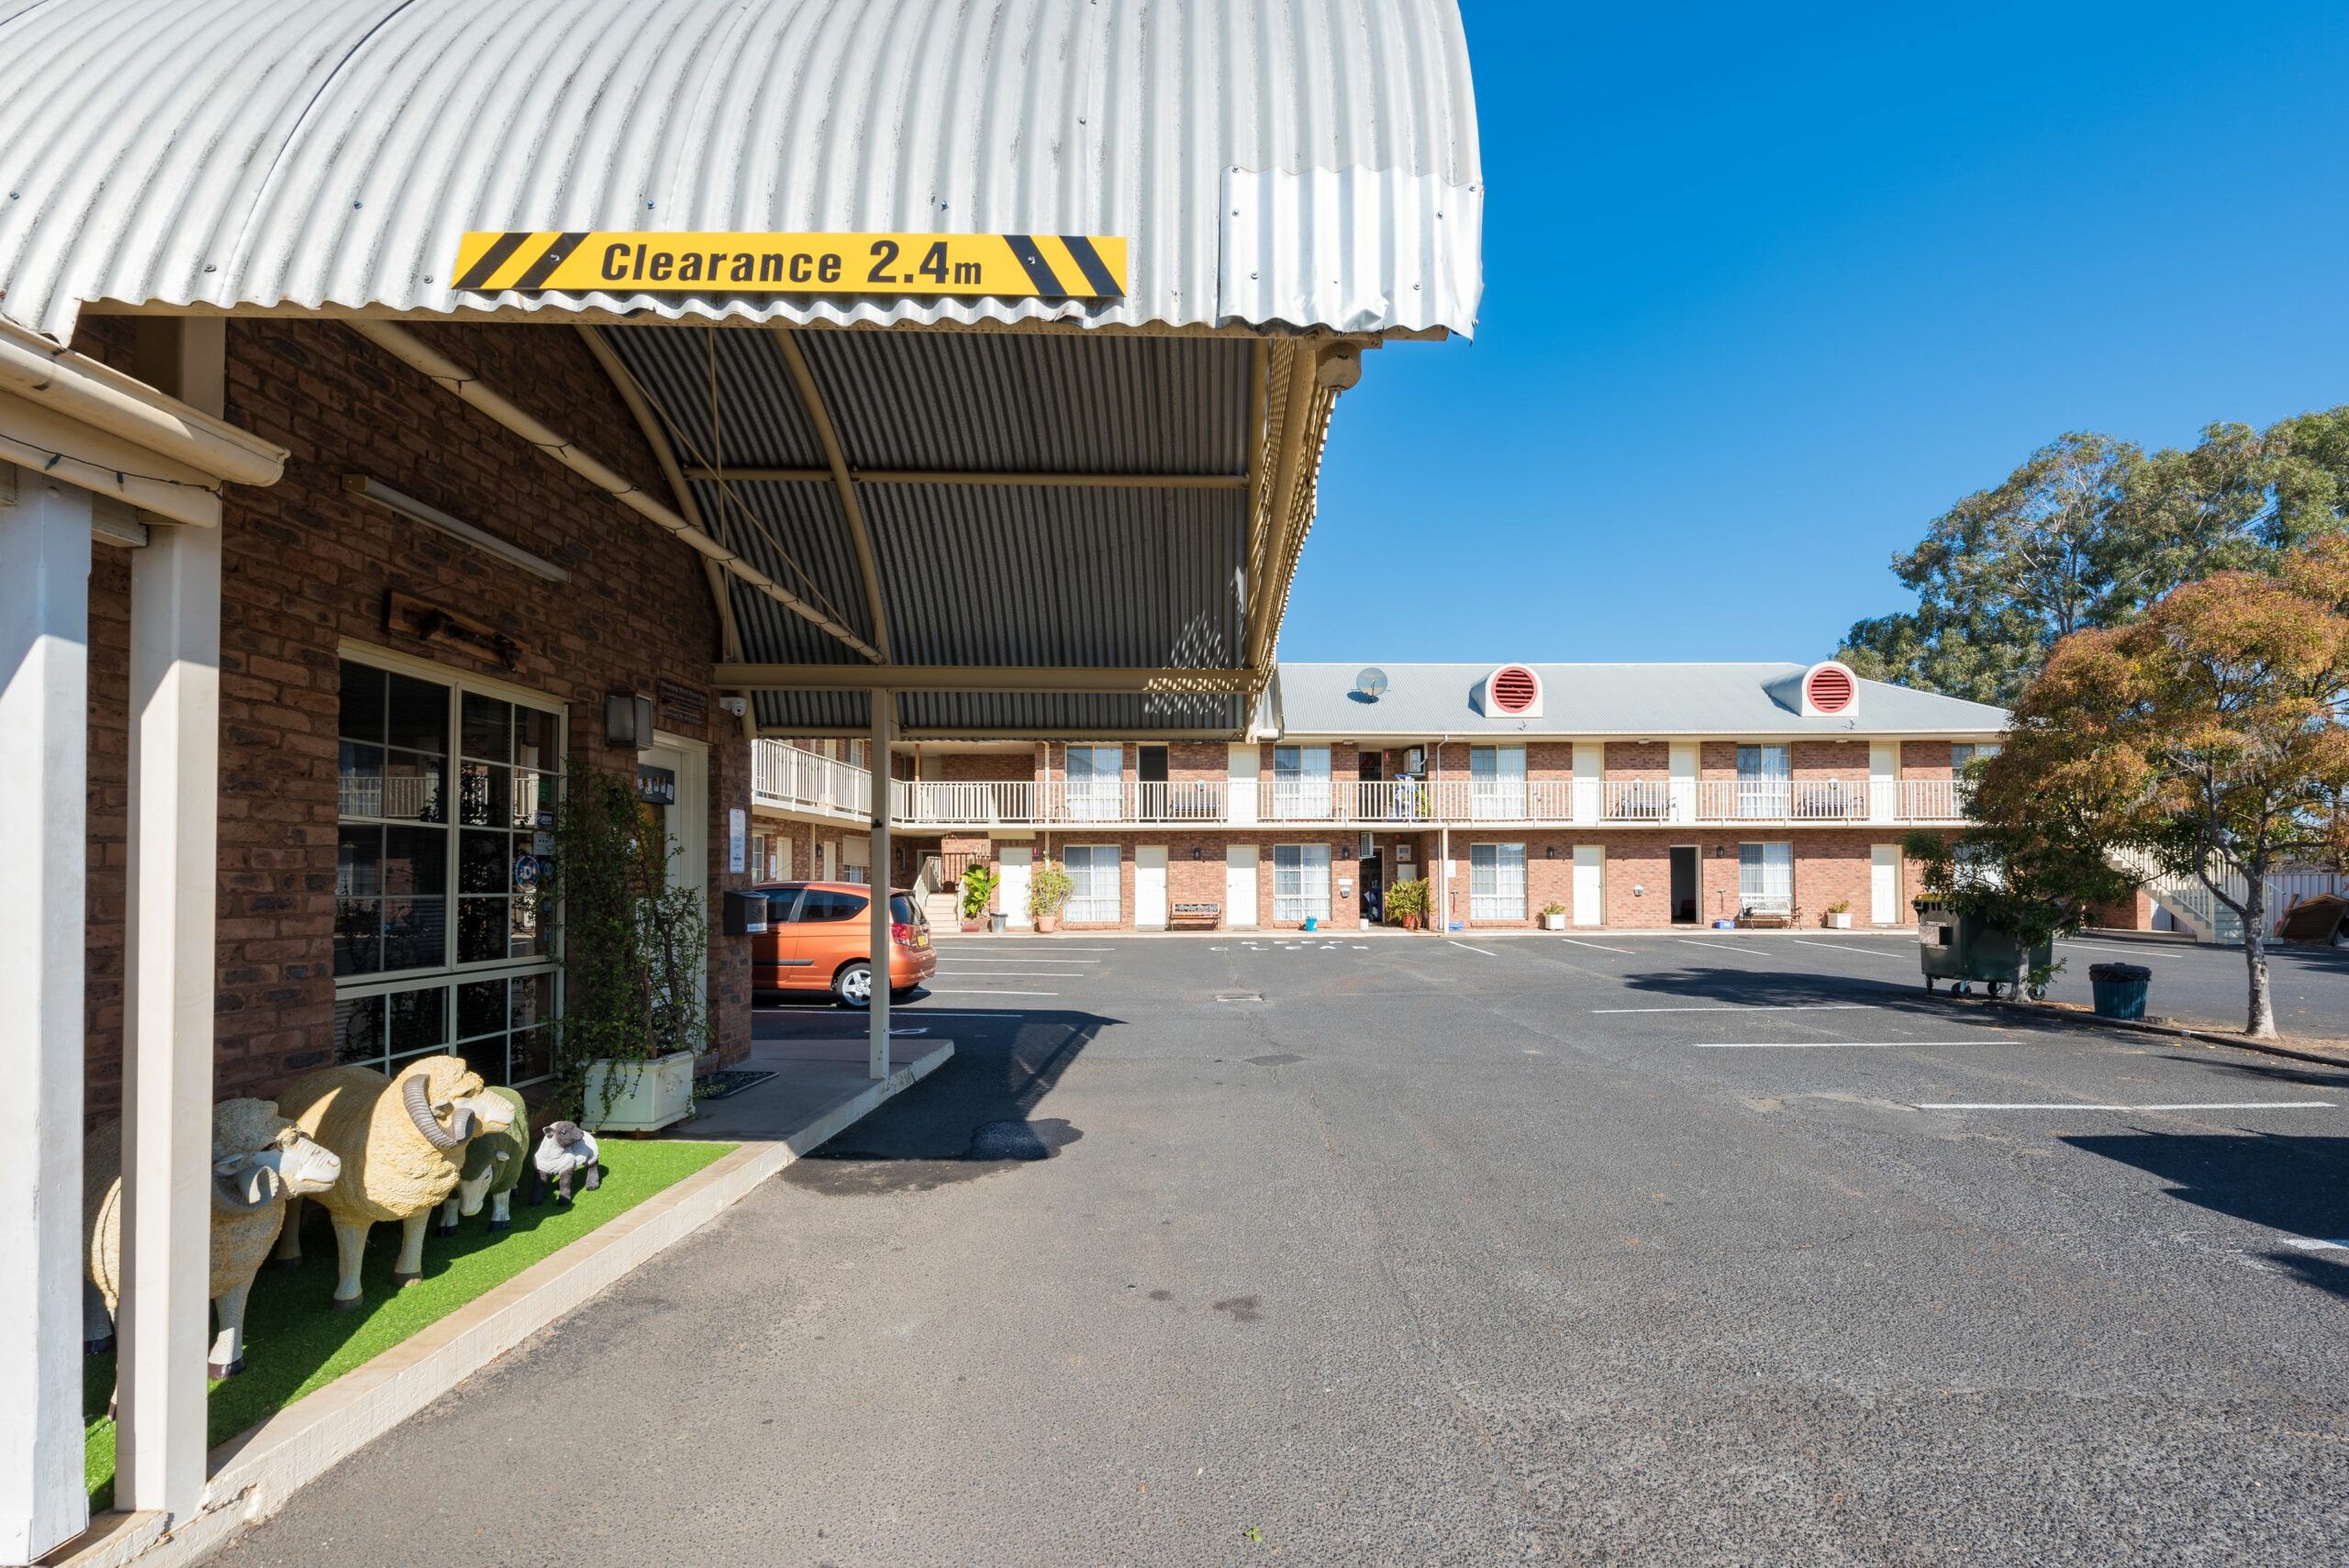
816	940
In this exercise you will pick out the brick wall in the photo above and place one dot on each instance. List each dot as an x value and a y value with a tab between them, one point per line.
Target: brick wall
305	565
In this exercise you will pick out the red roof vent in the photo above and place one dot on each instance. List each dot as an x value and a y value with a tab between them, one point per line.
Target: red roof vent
1829	688
1514	690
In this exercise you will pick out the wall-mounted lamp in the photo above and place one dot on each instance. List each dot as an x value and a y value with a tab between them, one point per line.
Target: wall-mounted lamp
1549	851
431	517
627	719
1199	853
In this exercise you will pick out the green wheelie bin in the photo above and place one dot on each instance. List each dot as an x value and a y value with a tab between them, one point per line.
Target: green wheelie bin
1963	949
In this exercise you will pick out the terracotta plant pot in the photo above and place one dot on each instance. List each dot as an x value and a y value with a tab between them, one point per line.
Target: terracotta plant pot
1047	924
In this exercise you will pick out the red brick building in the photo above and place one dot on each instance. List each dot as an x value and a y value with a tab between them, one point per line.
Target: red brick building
1624	795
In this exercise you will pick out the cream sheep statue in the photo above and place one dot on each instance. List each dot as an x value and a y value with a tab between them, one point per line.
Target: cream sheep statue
403	1145
260	1161
494	1163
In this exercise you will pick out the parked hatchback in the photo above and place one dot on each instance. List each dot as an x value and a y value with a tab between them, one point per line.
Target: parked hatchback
817	940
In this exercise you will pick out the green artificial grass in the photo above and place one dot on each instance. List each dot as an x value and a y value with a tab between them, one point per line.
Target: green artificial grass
296	1343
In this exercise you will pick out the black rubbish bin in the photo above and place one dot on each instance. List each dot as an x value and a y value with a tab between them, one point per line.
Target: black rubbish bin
2120	989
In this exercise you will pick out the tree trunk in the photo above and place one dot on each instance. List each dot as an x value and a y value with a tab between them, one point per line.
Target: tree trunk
2262	1024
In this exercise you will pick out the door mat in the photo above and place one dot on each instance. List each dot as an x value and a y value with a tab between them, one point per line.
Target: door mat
730	1081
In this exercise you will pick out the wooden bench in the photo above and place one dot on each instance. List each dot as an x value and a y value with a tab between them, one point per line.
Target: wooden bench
1195	915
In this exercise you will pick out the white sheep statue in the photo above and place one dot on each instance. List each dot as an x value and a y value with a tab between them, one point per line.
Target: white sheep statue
259	1162
565	1149
403	1145
494	1163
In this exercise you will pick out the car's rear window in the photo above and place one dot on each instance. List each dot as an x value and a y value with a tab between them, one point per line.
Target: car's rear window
902	910
823	904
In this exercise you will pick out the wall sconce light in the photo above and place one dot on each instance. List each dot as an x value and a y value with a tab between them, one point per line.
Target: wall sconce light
1549	852
1199	853
627	719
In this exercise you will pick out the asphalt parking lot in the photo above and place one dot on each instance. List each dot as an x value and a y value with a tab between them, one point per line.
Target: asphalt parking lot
1609	1249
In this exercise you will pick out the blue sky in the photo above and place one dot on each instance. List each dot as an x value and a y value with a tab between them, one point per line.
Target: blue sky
1766	288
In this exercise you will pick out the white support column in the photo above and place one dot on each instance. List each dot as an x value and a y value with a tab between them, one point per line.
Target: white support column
884	715
168	982
167	1017
44	770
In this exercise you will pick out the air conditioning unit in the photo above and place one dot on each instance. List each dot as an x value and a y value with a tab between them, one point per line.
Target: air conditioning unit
1512	691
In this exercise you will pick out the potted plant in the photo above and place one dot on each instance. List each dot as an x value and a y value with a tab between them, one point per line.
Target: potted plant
1048	892
1407	904
978	892
1839	915
635	960
1553	916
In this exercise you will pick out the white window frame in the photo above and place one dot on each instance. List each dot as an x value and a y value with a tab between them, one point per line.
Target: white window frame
1497	782
1093	797
1765	776
1098	895
1765	877
452	974
1301	782
1495	881
1300	881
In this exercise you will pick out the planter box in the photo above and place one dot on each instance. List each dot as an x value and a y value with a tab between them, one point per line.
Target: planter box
1553	922
1839	922
645	1096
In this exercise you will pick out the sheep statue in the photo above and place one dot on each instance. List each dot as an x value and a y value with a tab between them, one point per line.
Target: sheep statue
494	1163
403	1145
260	1161
565	1150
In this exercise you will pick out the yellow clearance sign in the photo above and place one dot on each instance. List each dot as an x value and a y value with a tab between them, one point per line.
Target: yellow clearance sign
1041	266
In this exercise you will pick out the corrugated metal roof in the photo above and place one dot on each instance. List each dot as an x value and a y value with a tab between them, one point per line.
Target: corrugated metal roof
1660	700
1268	160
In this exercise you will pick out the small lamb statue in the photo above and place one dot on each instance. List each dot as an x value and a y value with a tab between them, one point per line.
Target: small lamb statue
564	1148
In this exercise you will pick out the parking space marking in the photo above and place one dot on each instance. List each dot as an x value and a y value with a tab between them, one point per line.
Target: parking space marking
1845	947
1602	947
1754	1008
2102	947
950	1012
2074	1105
981	991
2313	1244
1861	1045
1713	947
1014	973
1033	958
1487	953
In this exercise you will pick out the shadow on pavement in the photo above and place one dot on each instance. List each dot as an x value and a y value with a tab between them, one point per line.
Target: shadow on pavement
974	1116
1754	987
2297	1185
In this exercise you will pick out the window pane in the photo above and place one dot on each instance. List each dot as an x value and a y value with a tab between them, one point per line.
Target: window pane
530	1056
526	930
901	910
533	999
780	906
489	729
358	936
534	737
359	871
363	702
359	780
411	790
359	1031
484	795
416	861
481	929
481	863
415	933
533	794
419	719
419	1018
481	1008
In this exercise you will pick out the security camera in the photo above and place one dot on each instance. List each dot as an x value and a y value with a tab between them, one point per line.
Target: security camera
737	705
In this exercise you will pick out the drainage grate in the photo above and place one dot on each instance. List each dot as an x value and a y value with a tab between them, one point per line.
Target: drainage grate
731	1081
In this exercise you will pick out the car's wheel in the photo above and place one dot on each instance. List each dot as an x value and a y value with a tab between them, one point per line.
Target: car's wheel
852	986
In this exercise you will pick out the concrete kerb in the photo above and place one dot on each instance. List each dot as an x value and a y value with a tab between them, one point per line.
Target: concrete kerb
255	1472
2174	1032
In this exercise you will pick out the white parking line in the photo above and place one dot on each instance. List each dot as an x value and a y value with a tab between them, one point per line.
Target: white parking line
1487	954
2312	1244
1602	947
1029	957
1754	1008
1858	1045
2073	1106
1014	973
981	991
1846	946
1686	941
907	1008
2102	947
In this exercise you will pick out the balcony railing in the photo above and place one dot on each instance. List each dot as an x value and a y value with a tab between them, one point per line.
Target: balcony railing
788	776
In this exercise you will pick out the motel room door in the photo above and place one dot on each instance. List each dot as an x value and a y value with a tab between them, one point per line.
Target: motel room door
1015	860
1239	885
1883	883
1150	888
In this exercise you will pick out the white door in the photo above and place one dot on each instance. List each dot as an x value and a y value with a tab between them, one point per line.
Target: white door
1883	883
1884	780
1240	777
1150	886
1682	768
1013	888
1590	885
1239	885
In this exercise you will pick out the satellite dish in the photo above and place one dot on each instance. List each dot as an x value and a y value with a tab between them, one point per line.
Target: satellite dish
1371	682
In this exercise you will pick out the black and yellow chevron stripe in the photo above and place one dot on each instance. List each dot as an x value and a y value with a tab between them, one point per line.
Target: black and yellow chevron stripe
1039	266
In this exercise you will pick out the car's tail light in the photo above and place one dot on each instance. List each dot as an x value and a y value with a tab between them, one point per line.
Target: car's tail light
901	933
